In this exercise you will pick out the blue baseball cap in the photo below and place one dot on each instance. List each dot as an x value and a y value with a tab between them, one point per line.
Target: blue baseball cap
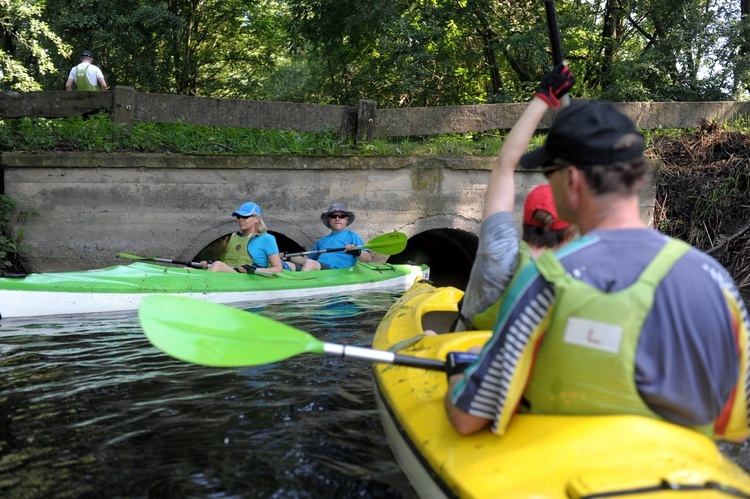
247	209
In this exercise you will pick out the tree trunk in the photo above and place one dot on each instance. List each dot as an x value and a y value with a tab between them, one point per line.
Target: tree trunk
745	17
490	59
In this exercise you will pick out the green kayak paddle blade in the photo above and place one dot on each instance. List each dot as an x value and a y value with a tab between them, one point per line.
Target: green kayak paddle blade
391	243
211	334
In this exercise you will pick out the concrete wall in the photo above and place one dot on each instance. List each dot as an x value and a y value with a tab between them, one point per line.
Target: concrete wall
86	208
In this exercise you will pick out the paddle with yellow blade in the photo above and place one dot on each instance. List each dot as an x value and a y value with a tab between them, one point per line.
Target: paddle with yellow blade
211	334
390	243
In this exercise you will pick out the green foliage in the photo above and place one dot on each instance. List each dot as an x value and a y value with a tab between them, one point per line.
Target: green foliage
397	52
741	123
97	134
7	245
217	48
10	239
27	45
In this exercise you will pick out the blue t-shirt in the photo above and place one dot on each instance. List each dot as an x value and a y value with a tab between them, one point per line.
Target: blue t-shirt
686	362
260	247
338	259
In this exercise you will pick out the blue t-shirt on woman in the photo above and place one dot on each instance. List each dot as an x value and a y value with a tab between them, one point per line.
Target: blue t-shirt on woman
260	247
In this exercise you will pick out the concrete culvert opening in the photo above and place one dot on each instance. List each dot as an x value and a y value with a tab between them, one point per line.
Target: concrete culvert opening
450	254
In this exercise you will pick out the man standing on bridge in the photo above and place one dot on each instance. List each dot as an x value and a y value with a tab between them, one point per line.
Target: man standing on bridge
86	76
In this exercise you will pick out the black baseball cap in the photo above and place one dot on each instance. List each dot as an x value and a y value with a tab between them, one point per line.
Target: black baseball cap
87	53
584	134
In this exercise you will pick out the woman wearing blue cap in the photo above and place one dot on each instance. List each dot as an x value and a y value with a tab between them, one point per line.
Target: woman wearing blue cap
251	247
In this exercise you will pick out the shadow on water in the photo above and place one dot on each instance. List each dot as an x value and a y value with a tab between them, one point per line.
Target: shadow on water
88	408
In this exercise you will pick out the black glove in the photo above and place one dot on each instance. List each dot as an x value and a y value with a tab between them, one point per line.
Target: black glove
555	84
250	269
354	252
458	362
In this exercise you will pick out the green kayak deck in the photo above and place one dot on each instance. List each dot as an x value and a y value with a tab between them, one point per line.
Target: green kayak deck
122	287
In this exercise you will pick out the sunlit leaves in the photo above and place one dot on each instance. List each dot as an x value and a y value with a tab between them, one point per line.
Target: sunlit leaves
27	44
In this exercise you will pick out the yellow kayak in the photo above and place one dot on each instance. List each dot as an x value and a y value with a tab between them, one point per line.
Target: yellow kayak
540	456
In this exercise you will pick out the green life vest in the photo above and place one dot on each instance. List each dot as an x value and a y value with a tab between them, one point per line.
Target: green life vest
586	363
237	254
487	317
82	81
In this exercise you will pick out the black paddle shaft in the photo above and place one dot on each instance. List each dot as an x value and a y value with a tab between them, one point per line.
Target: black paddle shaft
382	356
430	364
554	32
554	38
196	265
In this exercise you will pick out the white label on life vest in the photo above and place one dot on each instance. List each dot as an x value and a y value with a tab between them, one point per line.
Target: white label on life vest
593	334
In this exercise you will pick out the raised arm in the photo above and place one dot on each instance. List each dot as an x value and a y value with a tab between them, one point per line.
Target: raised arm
501	189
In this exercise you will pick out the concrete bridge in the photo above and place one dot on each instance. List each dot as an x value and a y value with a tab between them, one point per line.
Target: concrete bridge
78	211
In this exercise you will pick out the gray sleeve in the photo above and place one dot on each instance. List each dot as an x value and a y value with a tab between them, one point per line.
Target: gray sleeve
495	263
681	346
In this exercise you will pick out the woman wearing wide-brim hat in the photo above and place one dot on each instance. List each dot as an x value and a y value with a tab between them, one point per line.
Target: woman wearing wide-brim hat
338	218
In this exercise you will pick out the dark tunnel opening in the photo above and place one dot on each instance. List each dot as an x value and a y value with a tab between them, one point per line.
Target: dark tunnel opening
448	252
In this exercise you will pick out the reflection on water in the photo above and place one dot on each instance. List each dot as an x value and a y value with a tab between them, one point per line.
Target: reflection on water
88	408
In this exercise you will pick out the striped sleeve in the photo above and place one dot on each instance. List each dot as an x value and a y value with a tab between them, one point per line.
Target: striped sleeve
492	387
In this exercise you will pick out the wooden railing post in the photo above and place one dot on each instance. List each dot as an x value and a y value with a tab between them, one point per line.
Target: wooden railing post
367	113
123	110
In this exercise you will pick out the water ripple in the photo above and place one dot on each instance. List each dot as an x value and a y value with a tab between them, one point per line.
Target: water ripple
89	408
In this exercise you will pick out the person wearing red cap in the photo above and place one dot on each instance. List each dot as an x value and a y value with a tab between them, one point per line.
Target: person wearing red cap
541	230
624	320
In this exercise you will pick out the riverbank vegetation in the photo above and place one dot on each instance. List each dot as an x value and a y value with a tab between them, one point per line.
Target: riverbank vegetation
703	194
97	133
11	259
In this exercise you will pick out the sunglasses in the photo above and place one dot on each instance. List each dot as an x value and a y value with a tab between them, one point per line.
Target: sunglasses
337	216
238	217
549	170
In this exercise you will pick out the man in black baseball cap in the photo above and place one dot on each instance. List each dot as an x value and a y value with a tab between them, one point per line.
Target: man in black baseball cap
624	320
601	144
587	133
86	76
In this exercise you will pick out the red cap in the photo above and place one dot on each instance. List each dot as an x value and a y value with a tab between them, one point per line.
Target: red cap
540	198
